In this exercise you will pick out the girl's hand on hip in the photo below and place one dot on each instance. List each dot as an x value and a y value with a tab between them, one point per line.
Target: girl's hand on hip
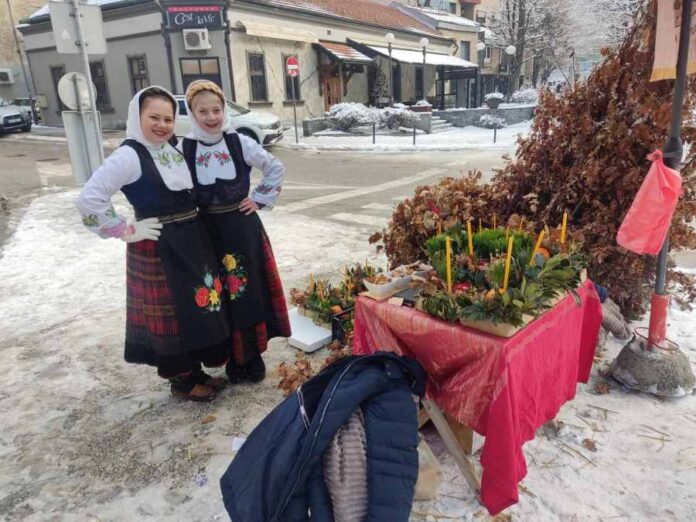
248	206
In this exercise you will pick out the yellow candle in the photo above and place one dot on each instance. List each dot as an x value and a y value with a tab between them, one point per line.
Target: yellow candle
507	232
536	247
439	228
480	227
470	237
448	252
521	224
564	228
495	223
508	262
311	281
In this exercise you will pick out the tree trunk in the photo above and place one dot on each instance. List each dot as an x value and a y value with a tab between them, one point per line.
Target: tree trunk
520	44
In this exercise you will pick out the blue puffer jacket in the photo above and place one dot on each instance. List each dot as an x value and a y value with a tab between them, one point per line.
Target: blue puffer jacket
277	474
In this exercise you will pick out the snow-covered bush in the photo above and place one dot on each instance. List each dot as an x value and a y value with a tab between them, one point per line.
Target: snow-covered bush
494	96
525	96
489	121
422	103
396	117
346	116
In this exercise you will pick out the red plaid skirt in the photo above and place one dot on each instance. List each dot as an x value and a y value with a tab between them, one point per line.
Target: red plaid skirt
247	343
152	327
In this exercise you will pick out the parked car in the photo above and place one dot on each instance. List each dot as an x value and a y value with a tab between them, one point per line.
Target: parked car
263	127
13	118
25	105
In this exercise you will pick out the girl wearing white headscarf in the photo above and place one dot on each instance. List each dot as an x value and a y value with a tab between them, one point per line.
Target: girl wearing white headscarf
176	317
221	162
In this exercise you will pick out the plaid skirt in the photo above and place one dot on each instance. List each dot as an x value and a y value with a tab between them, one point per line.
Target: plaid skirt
153	333
257	308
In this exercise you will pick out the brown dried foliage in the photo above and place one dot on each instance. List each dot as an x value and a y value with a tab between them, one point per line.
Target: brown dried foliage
586	155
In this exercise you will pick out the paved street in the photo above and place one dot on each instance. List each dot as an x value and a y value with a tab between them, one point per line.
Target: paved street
357	189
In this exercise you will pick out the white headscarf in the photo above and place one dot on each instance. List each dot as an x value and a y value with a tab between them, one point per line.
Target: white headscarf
197	133
133	129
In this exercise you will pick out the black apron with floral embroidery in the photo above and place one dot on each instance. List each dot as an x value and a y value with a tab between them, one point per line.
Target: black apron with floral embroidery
239	240
187	256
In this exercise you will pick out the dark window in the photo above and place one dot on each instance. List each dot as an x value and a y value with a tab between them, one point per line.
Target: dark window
257	77
99	80
453	8
182	108
193	69
419	82
57	73
466	50
289	81
137	68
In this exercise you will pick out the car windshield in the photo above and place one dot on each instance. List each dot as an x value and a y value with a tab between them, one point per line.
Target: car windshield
237	109
3	102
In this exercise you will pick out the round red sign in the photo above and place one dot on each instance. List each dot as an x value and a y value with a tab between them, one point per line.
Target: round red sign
293	66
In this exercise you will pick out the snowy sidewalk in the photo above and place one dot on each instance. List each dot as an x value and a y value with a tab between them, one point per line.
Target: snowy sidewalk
87	437
465	138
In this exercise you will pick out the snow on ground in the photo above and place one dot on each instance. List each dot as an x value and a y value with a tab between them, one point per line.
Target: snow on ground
87	437
464	138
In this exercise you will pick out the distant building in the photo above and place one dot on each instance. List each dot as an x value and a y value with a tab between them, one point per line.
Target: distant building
242	46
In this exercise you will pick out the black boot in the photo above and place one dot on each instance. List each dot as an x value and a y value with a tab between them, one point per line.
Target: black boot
187	388
235	373
256	369
216	383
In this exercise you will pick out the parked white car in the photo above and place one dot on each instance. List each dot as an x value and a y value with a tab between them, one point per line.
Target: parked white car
263	127
13	118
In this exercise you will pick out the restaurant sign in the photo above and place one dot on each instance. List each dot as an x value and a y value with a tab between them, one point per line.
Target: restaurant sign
191	16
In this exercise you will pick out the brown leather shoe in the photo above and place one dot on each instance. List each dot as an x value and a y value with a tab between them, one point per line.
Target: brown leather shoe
216	383
199	393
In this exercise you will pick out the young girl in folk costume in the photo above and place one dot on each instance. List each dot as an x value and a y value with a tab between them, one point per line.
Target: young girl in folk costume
221	162
176	315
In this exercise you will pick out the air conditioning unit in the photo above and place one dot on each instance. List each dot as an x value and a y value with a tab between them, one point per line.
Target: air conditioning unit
196	39
6	76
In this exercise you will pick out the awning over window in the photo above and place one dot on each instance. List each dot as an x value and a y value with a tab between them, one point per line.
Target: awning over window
416	57
277	32
340	52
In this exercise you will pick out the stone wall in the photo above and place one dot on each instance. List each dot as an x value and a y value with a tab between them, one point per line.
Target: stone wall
468	117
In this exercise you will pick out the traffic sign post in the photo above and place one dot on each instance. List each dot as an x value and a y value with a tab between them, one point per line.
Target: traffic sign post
292	66
78	29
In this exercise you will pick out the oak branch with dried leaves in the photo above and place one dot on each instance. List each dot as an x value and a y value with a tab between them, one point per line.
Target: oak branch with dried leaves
587	155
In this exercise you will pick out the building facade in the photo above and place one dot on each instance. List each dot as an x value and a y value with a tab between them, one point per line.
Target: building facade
243	46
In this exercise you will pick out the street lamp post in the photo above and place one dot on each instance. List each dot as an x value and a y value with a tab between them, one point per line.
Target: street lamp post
510	50
390	40
424	42
480	47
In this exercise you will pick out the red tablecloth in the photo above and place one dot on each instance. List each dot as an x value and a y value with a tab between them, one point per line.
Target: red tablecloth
504	389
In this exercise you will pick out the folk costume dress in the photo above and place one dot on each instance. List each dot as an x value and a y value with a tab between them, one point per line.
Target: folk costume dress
176	314
221	166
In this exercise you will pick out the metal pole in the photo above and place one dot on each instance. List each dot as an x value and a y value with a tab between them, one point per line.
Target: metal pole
495	125
414	133
374	132
21	62
391	77
673	155
479	79
425	97
294	107
85	61
83	129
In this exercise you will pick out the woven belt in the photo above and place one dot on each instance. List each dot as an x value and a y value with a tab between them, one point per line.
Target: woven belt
220	209
177	218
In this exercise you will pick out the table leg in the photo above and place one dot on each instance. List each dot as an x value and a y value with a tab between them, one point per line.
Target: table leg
460	457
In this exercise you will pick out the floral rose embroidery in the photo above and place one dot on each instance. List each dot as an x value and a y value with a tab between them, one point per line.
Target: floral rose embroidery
217	285
223	158
202	296
203	159
229	262
236	277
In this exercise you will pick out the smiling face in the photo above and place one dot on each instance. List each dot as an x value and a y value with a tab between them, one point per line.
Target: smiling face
208	110
157	120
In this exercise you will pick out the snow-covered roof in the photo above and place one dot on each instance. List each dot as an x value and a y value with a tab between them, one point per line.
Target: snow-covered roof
361	11
416	57
445	17
42	13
